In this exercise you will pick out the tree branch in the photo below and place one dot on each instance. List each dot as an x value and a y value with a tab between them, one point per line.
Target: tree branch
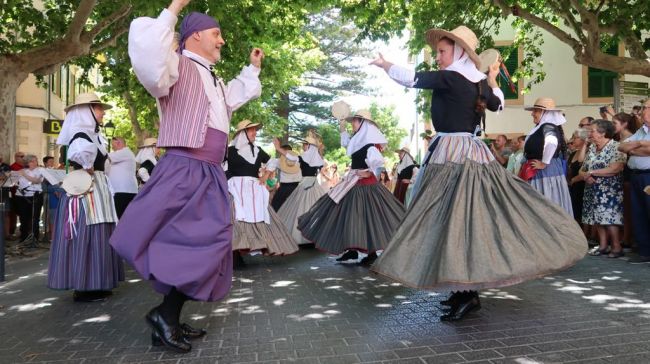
565	12
110	41
81	15
526	15
119	14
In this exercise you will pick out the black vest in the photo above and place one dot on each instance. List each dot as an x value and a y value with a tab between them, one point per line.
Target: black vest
359	157
534	147
307	170
239	167
407	172
148	165
100	159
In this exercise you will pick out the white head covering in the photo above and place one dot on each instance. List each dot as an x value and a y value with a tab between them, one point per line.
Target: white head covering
367	134
548	117
312	156
80	119
243	147
406	161
463	65
146	154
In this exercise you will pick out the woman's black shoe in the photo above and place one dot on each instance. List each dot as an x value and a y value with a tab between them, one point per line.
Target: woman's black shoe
452	300
458	312
170	336
90	296
349	255
369	259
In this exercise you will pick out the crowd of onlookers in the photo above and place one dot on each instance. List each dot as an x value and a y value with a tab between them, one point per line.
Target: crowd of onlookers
604	157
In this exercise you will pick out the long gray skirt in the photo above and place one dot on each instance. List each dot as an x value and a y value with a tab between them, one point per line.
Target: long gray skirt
270	239
364	219
300	201
473	225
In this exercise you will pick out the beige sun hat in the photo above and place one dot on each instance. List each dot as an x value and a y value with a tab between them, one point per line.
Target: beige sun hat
311	140
487	58
361	114
245	124
544	103
288	166
88	98
149	142
403	149
462	35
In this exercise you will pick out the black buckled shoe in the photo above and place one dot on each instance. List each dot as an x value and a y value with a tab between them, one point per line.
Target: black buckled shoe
458	312
169	336
192	333
349	255
452	300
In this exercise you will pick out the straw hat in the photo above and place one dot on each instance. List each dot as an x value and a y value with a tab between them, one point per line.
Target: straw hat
149	142
403	149
311	140
361	114
89	98
487	58
544	103
289	166
462	35
245	124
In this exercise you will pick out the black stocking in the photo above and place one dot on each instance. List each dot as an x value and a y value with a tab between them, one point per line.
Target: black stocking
170	308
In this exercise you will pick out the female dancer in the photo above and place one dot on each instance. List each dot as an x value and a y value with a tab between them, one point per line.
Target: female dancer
461	221
358	213
308	191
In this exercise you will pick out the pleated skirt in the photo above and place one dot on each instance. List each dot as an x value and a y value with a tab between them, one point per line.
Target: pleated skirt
364	219
84	260
270	239
551	182
473	225
300	201
282	194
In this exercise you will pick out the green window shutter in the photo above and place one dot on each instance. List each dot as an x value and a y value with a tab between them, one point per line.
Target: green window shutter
511	65
600	83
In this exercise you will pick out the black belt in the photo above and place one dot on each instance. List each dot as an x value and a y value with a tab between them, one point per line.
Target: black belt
639	171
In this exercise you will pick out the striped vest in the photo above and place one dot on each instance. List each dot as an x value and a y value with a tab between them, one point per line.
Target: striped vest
184	110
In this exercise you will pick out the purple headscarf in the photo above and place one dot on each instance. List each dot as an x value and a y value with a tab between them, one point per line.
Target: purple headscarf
196	22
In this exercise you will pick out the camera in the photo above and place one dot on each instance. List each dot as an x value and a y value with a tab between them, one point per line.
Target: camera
603	109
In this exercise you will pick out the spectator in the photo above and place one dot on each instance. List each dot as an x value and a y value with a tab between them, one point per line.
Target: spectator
498	148
576	183
17	165
606	112
122	175
29	198
517	158
603	198
625	125
48	162
585	122
638	148
147	158
6	194
385	180
19	161
53	194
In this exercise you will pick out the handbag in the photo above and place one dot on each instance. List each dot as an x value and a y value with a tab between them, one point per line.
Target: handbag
527	171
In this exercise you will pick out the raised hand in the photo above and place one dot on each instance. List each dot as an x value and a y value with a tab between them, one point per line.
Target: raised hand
381	62
177	5
256	57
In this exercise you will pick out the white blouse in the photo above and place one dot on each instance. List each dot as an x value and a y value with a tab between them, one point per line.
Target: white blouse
155	63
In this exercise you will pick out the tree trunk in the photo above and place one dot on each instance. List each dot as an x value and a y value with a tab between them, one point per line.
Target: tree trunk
10	80
140	135
282	110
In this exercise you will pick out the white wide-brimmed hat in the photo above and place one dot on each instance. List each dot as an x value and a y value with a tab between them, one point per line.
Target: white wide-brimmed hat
544	103
462	35
88	98
245	124
149	142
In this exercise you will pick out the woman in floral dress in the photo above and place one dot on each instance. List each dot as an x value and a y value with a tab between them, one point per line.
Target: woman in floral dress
603	198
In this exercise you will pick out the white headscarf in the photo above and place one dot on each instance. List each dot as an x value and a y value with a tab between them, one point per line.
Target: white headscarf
146	154
367	134
312	156
406	161
80	119
548	117
464	65
243	147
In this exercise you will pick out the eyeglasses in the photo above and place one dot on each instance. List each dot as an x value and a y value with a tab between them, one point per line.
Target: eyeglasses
583	125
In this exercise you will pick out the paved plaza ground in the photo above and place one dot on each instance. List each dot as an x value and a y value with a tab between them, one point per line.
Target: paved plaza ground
307	309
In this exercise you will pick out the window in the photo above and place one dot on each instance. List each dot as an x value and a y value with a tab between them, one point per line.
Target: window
601	82
511	65
513	61
598	84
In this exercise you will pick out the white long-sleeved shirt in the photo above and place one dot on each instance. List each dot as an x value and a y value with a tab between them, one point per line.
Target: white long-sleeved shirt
121	172
155	63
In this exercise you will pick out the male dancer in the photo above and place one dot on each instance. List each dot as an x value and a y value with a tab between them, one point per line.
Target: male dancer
177	231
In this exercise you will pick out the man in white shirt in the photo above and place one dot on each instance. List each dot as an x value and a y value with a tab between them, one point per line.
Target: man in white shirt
121	174
638	147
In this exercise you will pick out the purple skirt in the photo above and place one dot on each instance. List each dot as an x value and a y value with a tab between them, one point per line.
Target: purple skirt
177	231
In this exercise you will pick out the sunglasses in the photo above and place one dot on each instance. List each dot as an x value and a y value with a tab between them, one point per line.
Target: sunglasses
583	125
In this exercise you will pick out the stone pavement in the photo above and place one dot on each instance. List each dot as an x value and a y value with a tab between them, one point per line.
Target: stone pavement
306	309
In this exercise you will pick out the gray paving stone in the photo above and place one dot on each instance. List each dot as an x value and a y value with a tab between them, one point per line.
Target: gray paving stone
480	355
444	359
